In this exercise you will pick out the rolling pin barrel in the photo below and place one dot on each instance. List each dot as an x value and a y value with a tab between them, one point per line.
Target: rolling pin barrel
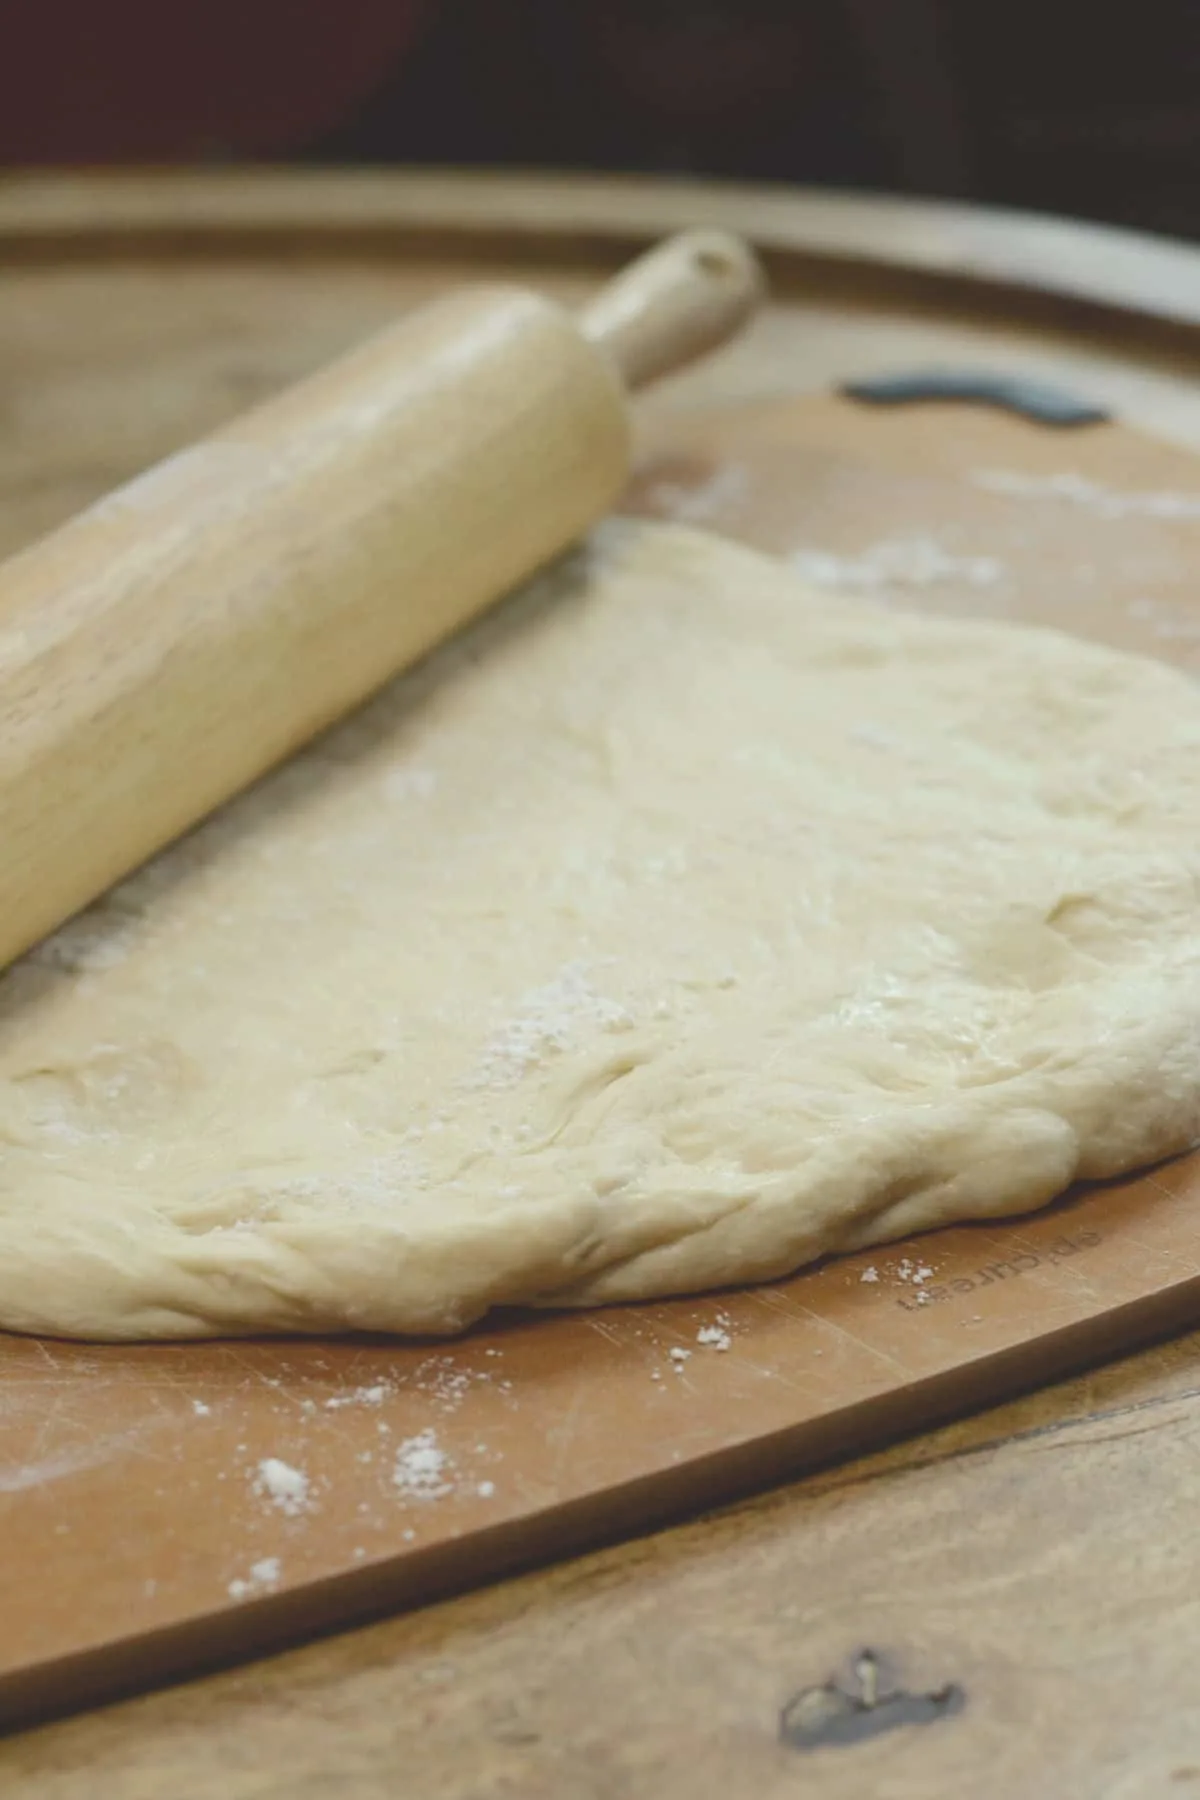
172	643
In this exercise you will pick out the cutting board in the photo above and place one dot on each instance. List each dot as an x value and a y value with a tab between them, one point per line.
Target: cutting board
167	1507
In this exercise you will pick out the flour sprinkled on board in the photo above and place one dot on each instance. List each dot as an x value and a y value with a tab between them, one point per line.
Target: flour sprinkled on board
896	562
1079	490
916	1272
1166	622
715	1337
263	1576
725	486
374	1395
423	1469
19	1477
442	1381
912	1272
285	1487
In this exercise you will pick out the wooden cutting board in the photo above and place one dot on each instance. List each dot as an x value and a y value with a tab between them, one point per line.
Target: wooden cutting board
166	1507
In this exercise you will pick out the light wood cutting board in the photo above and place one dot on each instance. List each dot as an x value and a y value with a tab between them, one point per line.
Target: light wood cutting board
141	1534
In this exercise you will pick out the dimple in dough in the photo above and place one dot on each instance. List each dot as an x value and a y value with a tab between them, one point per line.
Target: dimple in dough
672	928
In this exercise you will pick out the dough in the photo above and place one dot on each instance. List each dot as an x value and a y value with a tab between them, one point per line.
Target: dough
672	928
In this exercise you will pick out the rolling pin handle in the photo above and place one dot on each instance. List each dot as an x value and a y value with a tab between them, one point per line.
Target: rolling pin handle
679	300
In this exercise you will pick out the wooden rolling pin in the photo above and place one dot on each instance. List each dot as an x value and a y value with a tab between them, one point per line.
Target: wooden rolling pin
174	641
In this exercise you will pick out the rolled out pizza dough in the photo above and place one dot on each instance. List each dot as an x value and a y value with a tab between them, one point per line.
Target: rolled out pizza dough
670	929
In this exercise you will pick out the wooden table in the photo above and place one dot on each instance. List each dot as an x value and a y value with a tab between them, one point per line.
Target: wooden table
1044	1557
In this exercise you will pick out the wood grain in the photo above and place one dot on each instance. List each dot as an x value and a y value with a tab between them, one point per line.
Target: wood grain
1042	1556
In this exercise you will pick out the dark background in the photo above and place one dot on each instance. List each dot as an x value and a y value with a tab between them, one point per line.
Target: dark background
1089	107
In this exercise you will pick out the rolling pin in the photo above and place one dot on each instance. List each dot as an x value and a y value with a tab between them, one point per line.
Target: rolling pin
166	647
